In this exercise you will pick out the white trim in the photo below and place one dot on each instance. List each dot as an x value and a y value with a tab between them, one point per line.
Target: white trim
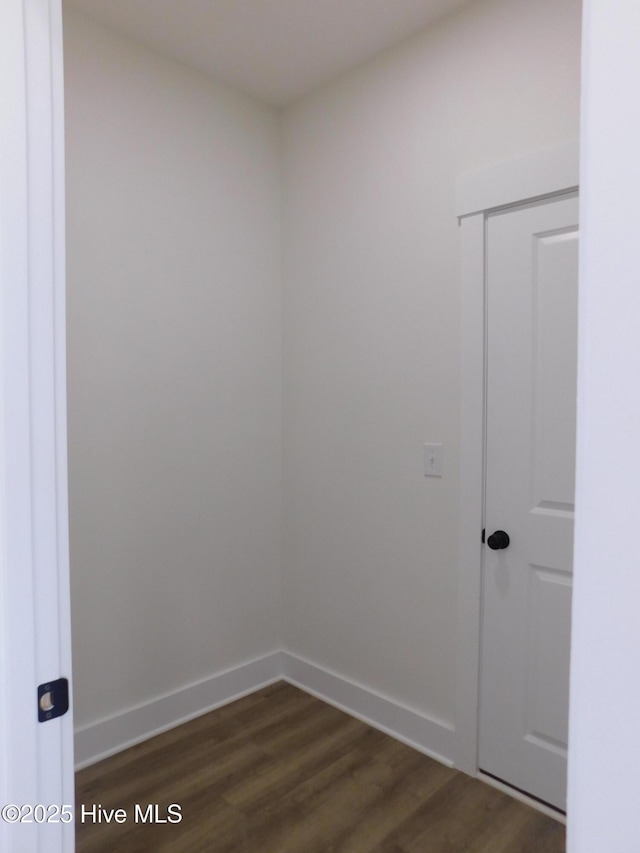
522	797
37	759
426	734
551	172
535	175
472	381
119	731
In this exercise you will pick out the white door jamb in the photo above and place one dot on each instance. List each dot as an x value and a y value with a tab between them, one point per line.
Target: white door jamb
36	764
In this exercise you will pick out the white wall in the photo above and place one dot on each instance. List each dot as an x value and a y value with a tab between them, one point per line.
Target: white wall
175	361
371	329
174	350
604	744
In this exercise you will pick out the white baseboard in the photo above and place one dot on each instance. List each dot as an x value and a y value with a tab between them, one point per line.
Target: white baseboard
112	734
429	736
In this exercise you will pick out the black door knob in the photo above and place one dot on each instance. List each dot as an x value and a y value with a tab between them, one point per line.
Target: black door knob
498	540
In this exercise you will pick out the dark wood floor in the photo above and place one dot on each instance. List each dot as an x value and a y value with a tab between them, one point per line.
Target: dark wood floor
281	772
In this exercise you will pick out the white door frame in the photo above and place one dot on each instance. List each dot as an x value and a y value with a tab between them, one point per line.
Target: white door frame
542	174
35	645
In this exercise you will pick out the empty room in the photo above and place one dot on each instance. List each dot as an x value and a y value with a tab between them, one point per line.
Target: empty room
263	333
321	377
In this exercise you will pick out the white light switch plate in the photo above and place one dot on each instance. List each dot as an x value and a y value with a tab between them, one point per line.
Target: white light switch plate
433	460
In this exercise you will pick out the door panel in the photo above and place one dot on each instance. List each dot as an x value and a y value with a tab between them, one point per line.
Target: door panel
532	278
555	348
546	694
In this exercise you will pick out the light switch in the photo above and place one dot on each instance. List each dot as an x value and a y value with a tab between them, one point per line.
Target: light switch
433	460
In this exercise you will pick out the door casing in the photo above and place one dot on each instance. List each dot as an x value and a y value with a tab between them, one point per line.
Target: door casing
36	767
544	174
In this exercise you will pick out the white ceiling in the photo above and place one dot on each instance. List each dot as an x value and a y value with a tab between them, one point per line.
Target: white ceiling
276	50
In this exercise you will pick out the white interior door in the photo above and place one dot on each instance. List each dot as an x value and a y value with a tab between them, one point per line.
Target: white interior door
532	285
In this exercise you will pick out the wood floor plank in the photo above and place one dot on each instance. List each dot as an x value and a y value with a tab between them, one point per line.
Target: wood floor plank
396	804
288	772
281	772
